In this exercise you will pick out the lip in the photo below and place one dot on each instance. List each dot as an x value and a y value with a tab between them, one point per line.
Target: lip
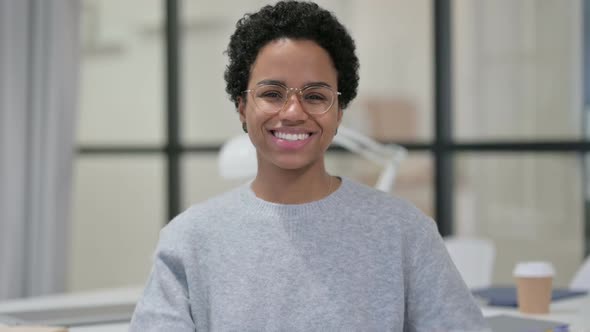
291	145
292	130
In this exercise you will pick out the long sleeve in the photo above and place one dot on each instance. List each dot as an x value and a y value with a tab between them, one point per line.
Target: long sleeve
437	299
358	260
164	305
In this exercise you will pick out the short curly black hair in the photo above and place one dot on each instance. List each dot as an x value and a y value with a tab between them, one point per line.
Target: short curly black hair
297	20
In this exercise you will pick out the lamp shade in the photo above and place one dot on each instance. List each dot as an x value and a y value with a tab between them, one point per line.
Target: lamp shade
237	158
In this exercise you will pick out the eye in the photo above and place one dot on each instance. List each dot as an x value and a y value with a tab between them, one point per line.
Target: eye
315	97
271	94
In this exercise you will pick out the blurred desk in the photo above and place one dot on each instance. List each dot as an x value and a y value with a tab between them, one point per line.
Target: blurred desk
107	310
99	328
121	327
574	311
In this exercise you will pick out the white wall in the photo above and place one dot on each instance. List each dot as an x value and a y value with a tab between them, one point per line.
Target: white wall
517	77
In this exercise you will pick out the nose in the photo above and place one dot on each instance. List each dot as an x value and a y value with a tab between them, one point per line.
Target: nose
293	108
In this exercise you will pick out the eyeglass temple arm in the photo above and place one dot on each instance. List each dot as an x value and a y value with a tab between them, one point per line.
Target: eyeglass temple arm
388	156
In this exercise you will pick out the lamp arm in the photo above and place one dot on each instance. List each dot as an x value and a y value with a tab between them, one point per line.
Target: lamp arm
386	179
358	139
358	148
388	156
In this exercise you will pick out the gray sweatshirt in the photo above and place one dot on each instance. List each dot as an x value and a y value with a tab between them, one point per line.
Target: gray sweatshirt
357	260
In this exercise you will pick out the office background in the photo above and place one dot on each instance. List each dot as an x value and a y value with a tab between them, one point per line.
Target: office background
488	96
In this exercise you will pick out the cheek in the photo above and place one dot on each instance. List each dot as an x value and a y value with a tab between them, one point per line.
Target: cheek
333	121
250	113
256	120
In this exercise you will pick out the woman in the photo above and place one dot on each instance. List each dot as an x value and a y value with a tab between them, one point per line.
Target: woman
298	249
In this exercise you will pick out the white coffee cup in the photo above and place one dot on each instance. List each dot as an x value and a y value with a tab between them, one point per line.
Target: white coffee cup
533	286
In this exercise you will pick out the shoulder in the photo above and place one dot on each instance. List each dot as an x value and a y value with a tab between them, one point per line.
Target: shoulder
387	207
202	217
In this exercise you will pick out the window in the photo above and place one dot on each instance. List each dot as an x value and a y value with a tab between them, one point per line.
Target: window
487	96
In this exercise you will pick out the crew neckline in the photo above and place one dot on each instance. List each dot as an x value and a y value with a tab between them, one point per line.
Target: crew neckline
261	206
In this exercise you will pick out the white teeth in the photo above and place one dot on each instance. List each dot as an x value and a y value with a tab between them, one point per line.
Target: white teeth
291	137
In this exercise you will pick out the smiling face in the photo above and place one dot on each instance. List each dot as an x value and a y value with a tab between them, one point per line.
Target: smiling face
291	139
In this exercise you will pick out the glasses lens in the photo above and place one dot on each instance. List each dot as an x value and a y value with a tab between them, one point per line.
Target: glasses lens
272	98
317	99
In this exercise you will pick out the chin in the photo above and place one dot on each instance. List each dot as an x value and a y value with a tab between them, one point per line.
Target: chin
293	163
291	166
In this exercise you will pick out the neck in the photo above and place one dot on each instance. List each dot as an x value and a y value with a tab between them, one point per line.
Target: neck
293	186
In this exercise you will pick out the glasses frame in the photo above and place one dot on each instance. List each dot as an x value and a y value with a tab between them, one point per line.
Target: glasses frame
290	92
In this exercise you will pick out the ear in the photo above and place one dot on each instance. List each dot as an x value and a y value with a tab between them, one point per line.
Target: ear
339	116
242	109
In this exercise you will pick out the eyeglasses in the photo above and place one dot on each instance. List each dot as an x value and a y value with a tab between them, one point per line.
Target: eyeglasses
271	98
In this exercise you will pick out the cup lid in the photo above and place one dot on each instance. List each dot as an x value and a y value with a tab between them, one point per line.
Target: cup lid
534	269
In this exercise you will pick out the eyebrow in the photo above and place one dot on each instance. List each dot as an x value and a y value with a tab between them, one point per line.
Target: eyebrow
282	83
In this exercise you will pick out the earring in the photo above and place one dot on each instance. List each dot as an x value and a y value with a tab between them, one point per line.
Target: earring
336	132
244	127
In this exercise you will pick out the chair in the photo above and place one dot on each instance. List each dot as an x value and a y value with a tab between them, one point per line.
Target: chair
581	279
474	258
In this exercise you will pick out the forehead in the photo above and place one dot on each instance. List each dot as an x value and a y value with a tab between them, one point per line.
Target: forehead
294	62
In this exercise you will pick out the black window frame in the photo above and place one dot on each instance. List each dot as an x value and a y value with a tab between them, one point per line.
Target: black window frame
443	148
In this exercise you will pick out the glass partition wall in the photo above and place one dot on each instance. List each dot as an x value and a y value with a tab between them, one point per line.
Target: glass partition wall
518	125
487	96
119	189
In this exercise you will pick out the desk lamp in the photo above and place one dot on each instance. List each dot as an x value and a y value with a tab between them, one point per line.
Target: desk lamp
237	158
